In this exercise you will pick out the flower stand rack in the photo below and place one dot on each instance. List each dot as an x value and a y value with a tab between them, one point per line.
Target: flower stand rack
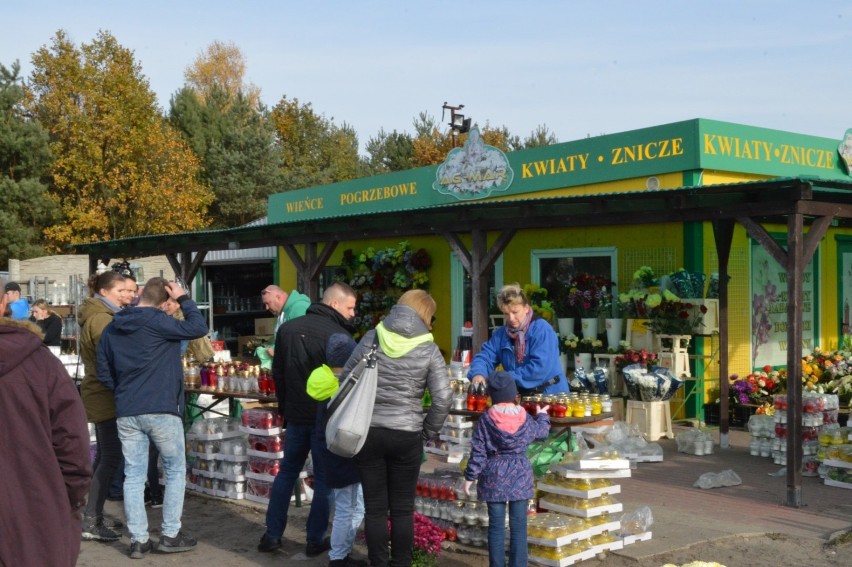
654	419
672	353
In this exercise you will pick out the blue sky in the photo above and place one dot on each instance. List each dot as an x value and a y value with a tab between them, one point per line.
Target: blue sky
580	67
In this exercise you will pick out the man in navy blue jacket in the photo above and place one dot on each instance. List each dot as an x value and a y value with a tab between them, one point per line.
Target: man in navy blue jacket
139	358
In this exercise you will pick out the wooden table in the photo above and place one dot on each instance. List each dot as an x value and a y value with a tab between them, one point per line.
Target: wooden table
231	397
556	423
562	425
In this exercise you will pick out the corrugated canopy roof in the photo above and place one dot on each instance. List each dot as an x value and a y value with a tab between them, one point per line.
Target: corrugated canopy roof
770	200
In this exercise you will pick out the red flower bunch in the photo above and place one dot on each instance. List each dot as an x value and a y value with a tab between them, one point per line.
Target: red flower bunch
427	541
647	359
427	536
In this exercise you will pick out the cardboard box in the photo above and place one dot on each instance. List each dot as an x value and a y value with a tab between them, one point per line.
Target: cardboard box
264	326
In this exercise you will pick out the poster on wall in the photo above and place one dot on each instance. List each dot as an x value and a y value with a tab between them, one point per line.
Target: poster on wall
845	289
769	309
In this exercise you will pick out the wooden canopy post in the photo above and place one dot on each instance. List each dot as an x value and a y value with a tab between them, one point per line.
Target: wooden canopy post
478	262
723	232
800	251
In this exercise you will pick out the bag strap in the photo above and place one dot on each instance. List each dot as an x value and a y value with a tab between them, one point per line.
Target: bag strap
368	360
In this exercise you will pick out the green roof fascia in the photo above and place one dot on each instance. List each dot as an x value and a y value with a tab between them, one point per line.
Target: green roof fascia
748	149
692	145
637	153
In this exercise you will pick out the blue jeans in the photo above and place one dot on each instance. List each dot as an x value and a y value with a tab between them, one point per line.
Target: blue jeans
517	534
348	513
166	431
299	441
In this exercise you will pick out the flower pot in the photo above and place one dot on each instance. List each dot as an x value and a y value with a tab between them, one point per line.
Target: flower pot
589	327
565	325
639	335
563	362
614	328
583	359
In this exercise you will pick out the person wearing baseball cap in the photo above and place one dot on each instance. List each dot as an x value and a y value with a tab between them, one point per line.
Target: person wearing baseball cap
19	306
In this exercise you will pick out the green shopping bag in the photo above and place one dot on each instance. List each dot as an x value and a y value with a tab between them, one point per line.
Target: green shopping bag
544	453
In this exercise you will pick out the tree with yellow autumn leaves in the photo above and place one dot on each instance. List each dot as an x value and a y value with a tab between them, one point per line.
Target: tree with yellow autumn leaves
120	170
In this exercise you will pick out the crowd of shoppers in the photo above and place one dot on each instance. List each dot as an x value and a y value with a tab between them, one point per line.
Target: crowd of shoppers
133	392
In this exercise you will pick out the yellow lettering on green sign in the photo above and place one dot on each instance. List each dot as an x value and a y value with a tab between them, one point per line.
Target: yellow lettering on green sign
379	194
759	150
306	204
646	152
554	166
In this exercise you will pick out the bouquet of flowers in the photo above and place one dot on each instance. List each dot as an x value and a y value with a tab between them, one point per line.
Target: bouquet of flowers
658	385
537	298
644	278
632	303
647	359
572	344
759	387
623	347
589	295
840	380
427	541
670	315
688	284
740	389
827	372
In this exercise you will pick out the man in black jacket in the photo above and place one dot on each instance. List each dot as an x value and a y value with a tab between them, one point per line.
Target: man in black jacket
300	347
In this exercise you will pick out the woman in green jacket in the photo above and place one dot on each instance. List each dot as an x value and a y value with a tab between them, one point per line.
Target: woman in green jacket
96	312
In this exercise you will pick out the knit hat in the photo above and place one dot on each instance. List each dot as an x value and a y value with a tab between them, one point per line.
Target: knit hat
12	286
502	388
322	383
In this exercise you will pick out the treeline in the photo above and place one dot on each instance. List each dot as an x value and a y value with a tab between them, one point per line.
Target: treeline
87	154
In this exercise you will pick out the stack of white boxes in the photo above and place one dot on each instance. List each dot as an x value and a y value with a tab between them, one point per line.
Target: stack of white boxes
217	458
580	489
266	438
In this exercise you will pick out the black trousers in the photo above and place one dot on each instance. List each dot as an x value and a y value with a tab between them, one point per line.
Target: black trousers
107	461
389	464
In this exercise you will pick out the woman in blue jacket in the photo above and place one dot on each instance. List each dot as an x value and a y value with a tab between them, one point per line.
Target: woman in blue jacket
526	346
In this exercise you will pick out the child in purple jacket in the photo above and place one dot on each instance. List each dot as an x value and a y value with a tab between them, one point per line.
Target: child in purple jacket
499	461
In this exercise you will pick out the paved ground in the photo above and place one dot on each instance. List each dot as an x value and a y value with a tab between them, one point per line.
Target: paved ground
728	525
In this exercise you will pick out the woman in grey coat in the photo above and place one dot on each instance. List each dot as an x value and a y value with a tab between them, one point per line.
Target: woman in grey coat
389	463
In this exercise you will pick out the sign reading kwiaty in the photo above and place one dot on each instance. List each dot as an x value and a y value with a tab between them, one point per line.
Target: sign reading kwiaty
478	171
474	171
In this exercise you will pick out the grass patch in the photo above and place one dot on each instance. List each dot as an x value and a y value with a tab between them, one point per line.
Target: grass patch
841	539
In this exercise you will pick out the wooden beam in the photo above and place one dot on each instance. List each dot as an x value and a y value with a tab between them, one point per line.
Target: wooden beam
478	264
479	288
459	249
174	262
195	265
503	240
795	286
813	238
723	233
759	233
